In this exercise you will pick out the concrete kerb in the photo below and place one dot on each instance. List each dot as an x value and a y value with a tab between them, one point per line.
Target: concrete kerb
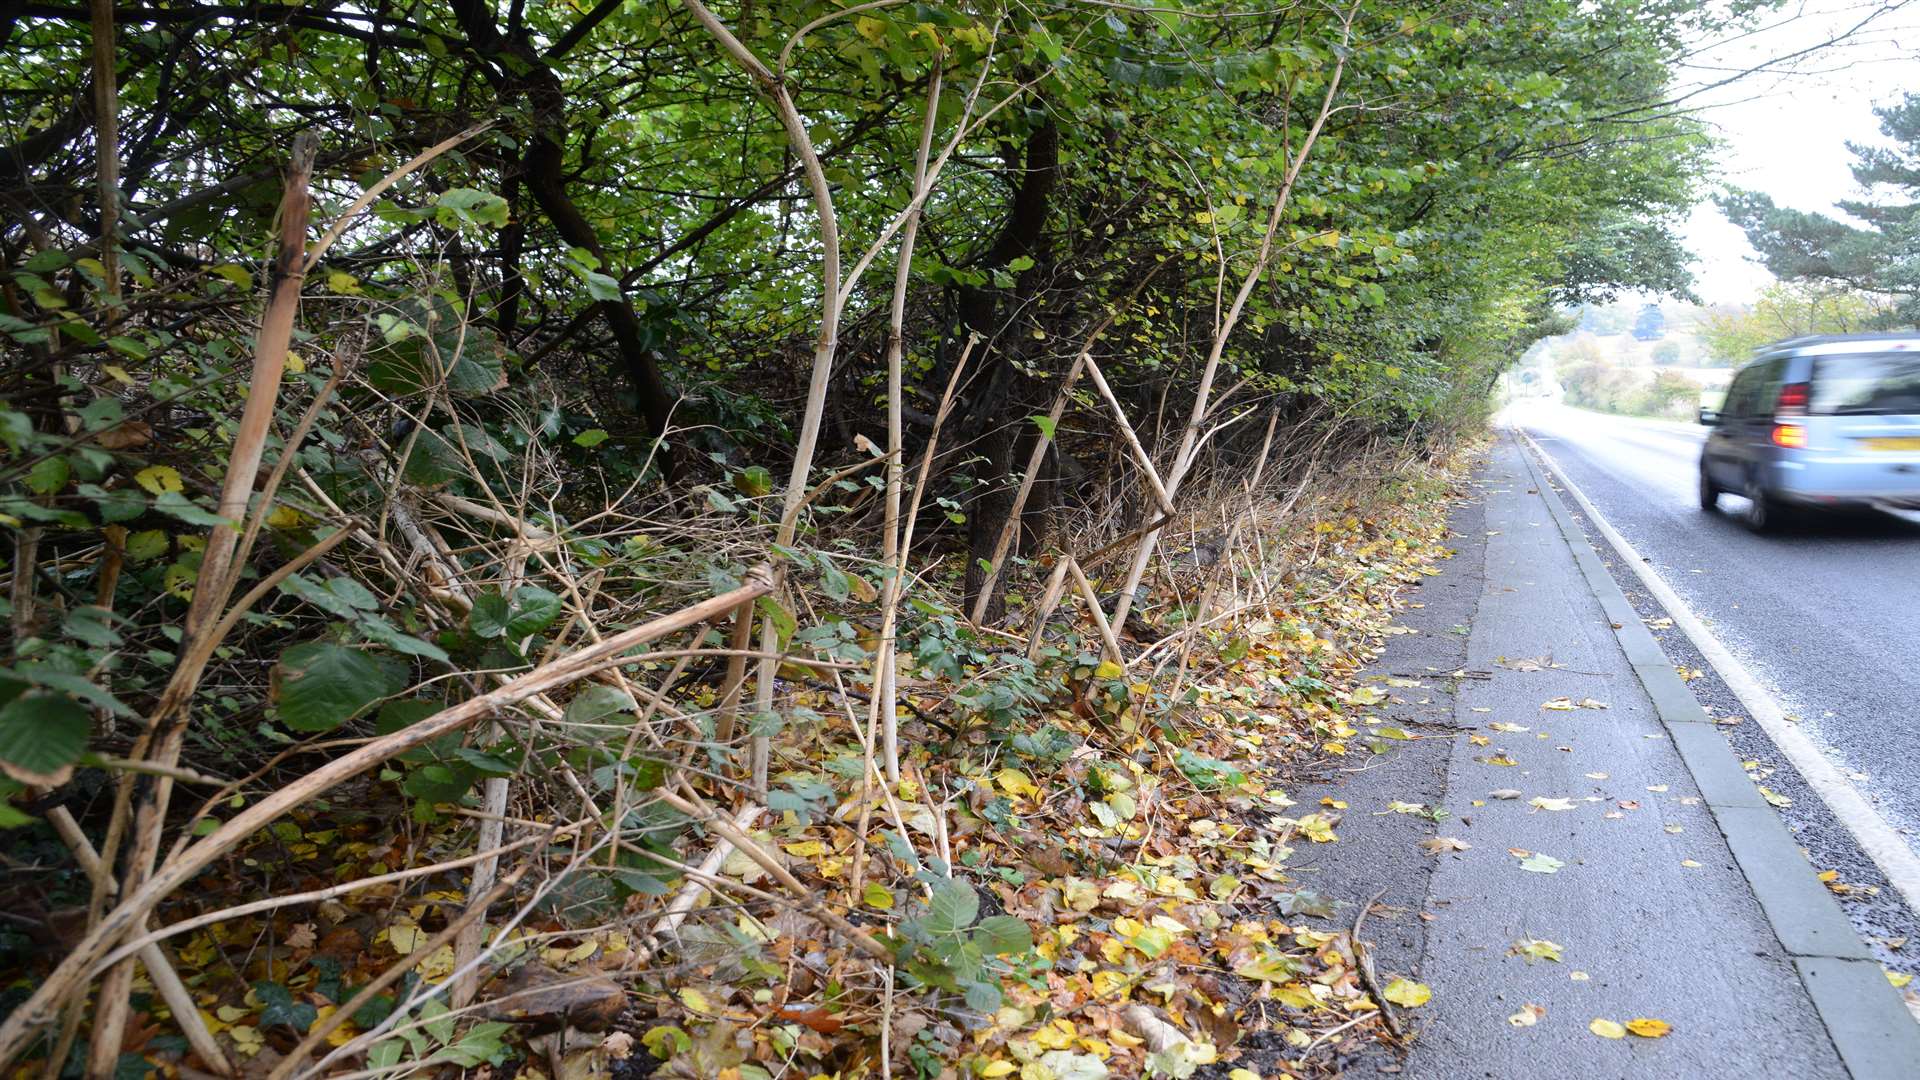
1864	1015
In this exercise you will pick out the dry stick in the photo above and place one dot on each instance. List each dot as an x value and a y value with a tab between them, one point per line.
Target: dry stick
319	1032
106	121
1140	454
171	714
1364	964
698	882
808	902
547	834
160	969
886	658
1184	456
825	343
1056	583
1008	528
1093	608
740	642
69	977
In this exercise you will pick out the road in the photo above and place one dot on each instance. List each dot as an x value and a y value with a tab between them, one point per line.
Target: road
1824	614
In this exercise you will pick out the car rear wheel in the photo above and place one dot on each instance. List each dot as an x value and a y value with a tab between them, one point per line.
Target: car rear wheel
1709	491
1765	512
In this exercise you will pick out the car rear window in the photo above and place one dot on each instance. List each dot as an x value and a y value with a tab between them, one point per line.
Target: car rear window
1868	384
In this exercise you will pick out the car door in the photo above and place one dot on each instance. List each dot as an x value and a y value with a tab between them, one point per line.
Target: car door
1722	455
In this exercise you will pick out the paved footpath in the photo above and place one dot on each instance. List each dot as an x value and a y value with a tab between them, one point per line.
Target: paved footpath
1675	892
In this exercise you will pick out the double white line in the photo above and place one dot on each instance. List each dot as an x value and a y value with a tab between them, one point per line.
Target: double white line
1886	847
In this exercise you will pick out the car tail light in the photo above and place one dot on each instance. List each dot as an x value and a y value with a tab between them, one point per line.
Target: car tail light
1792	436
1793	400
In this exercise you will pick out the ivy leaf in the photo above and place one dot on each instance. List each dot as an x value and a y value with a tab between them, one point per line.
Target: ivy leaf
278	1007
320	685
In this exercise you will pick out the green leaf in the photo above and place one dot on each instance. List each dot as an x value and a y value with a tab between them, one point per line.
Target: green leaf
320	685
40	735
279	1007
183	508
488	619
49	475
1001	935
597	702
461	204
533	610
753	482
120	504
952	908
437	783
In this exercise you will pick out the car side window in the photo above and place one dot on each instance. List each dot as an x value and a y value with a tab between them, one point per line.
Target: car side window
1740	394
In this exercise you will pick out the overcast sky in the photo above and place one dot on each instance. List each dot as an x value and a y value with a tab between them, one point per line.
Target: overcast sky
1785	133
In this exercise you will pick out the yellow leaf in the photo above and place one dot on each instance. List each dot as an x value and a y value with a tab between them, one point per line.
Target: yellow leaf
405	938
1647	1028
1535	949
1015	782
1607	1029
1407	993
159	479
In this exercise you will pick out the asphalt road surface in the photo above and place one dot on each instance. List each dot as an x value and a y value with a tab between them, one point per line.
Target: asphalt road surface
1826	614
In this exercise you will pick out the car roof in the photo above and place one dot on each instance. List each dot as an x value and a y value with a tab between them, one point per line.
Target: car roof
1829	344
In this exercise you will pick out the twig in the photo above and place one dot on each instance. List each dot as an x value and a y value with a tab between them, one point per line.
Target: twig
1363	962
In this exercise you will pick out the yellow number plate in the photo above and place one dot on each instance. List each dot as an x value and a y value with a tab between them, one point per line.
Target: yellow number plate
1893	444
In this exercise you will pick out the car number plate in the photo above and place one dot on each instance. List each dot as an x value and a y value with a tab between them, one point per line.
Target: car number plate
1893	444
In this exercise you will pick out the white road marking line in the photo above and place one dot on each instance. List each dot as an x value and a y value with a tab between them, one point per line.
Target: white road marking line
1875	836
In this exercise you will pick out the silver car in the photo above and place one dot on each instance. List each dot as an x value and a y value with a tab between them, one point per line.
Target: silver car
1818	422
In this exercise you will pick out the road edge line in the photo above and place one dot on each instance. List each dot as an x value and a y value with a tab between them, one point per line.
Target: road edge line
1876	838
1865	1017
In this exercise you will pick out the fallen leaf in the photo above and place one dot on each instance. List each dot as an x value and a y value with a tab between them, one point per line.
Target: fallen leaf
1607	1029
1535	949
1648	1028
1528	1015
1407	993
1541	864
